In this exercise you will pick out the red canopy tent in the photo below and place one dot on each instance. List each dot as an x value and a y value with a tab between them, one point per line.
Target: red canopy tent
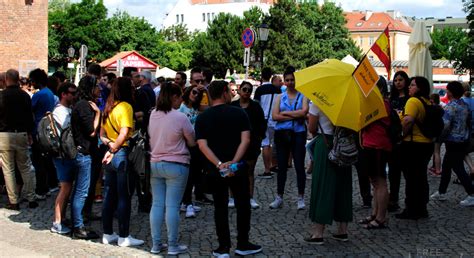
129	59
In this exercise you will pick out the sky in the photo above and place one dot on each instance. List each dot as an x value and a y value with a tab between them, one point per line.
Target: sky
155	10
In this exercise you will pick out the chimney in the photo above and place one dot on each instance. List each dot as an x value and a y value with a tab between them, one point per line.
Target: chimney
368	14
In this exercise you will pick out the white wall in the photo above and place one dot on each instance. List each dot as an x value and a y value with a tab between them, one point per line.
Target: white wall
402	50
192	15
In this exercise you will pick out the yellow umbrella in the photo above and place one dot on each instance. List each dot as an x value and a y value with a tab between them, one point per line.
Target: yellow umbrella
332	88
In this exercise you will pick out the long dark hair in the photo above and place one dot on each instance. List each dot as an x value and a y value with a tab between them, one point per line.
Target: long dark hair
165	101
121	90
187	93
423	86
393	91
85	91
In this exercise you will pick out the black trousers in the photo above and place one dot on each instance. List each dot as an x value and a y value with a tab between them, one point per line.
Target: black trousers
95	174
395	173
195	178
416	157
364	182
454	160
219	186
45	171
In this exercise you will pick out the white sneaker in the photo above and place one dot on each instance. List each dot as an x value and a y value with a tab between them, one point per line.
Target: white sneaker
301	203
179	249
196	208
439	196
190	212
109	239
183	207
129	241
254	204
469	201
231	203
277	203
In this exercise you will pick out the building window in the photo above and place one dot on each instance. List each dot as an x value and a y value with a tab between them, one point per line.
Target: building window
177	18
182	17
361	41
203	17
371	41
208	16
371	58
212	15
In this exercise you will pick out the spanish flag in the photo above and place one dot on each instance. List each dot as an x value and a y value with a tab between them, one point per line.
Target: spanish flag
382	49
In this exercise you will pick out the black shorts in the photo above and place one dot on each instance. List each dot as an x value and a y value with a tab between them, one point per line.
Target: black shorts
374	162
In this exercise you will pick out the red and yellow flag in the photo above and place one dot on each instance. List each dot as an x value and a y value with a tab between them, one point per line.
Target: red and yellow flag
382	49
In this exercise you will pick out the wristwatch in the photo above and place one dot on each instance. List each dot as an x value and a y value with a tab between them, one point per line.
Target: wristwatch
218	164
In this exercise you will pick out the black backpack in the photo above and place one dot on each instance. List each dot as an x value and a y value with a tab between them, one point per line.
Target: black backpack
54	139
432	126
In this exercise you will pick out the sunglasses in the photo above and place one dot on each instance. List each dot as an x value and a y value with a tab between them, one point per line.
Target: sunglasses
246	90
195	92
72	92
199	81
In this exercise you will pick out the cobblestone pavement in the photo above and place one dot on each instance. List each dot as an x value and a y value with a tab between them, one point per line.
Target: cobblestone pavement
449	231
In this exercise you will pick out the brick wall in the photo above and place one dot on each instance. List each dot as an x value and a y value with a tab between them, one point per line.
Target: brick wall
23	35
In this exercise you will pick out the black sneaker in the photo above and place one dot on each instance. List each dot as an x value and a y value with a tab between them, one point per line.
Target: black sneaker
32	205
13	207
83	233
248	249
204	200
266	175
274	169
341	237
314	240
221	251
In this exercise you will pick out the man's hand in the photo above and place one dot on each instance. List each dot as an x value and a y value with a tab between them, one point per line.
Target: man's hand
107	158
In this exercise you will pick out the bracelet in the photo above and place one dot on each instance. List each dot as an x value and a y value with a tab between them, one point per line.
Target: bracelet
218	164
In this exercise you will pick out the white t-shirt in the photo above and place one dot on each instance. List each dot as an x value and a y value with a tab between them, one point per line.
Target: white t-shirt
62	115
326	124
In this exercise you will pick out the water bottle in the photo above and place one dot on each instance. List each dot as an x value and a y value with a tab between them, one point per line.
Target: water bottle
234	167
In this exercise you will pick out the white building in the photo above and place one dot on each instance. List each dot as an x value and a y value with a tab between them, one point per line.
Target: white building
196	14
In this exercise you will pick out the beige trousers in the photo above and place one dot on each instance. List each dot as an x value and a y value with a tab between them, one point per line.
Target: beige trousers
14	150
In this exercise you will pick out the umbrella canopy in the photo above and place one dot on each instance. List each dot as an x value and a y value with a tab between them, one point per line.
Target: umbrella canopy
419	63
332	88
165	72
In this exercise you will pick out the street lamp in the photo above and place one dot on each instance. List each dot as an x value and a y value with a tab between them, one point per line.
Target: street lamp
263	31
70	65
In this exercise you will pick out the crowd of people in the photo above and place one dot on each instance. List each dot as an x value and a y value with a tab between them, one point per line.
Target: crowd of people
203	137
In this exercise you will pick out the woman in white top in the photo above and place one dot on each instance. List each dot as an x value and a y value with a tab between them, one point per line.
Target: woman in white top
331	189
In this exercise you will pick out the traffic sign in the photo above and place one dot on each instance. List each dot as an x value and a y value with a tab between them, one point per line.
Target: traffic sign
247	56
248	37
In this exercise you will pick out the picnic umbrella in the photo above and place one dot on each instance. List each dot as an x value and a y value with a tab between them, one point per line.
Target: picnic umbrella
332	88
419	59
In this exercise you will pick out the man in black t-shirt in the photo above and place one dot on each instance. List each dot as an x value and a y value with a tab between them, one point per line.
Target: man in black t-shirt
223	135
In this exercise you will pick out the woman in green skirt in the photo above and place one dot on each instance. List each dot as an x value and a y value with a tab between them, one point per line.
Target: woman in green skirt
331	189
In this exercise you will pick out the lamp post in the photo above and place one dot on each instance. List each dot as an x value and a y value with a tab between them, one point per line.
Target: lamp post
263	31
70	53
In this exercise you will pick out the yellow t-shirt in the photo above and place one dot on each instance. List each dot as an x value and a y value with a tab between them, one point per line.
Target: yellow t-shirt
121	116
415	109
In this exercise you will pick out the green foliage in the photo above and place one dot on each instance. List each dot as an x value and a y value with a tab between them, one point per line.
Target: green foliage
448	43
468	59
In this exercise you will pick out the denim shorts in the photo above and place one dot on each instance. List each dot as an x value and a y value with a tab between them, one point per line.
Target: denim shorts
65	169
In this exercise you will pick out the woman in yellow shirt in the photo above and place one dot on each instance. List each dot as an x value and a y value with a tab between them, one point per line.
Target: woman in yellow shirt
416	151
117	127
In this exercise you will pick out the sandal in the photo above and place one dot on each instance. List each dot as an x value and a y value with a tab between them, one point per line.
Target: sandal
375	224
366	220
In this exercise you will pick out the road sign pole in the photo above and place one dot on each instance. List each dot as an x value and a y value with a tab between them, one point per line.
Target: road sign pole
246	61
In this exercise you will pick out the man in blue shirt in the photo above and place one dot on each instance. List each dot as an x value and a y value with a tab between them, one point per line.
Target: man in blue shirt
41	102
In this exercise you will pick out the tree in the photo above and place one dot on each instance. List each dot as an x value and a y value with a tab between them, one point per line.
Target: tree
449	43
219	48
468	60
304	34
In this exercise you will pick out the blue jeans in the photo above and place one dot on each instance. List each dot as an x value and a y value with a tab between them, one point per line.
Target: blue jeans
81	188
168	182
117	194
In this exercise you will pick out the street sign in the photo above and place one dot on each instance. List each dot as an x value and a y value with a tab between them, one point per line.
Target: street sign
83	51
248	37
247	56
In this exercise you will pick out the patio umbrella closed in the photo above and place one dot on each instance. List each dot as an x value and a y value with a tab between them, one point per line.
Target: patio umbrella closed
420	63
